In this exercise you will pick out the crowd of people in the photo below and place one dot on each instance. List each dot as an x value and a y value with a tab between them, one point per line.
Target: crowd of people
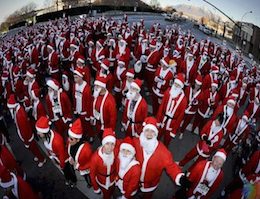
68	83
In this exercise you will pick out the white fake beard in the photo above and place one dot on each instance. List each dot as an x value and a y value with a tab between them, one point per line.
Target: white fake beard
12	113
51	94
65	84
121	49
130	95
214	127
108	159
96	92
229	111
124	160
242	124
174	92
148	144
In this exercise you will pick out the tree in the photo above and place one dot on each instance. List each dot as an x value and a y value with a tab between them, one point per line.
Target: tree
169	9
155	4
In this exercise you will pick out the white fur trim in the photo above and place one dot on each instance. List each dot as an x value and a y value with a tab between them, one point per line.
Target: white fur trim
11	105
104	66
221	155
30	74
177	81
51	84
152	127
73	45
231	101
177	179
130	75
164	62
77	73
72	134
108	138
81	60
7	184
127	146
133	84
214	84
99	83
121	62
42	130
198	82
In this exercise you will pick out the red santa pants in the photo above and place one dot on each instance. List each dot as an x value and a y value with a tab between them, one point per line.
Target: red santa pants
186	122
34	148
199	121
149	78
107	193
190	155
155	103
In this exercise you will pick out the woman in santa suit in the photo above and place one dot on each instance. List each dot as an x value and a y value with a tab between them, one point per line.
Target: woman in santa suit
128	170
204	177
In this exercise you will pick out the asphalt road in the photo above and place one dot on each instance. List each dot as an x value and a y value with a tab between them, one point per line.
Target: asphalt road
49	179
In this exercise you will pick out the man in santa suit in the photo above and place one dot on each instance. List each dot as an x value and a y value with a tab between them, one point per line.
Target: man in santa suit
135	111
239	134
58	106
189	68
74	54
34	56
238	72
228	88
180	47
24	129
79	152
254	111
31	82
130	74
243	93
15	186
194	96
142	51
54	144
203	64
254	93
205	177
53	62
171	110
211	136
154	157
162	81
153	59
103	165
209	78
64	51
105	72
98	54
128	170
122	50
127	36
104	107
85	69
208	103
82	102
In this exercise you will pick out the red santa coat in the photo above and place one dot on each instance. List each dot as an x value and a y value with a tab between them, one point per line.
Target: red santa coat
153	60
162	81
23	126
56	149
207	81
101	174
32	86
38	110
104	111
226	91
254	111
34	57
65	50
133	121
128	179
198	174
254	93
53	63
189	71
153	165
141	50
203	66
193	100
96	57
120	75
125	55
109	80
243	94
214	138
239	134
63	107
229	121
20	89
171	111
82	158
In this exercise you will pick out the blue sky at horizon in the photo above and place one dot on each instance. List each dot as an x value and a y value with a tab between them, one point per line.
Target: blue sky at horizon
233	8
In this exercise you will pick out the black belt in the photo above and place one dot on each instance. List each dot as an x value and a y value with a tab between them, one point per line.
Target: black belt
106	175
132	122
169	117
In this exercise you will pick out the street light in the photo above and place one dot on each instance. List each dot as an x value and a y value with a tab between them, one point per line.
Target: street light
249	12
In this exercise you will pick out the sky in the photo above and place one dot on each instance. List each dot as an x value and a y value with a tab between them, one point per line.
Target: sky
233	8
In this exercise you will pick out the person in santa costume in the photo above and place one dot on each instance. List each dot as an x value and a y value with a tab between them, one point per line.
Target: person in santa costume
58	106
194	96
24	129
254	92
162	81
31	82
53	62
154	157
82	101
104	107
16	187
85	69
228	88
239	134
128	170
209	79
130	74
211	136
172	109
98	54
135	111
189	68
254	111
205	177
243	93
54	144
203	64
103	165
79	152
122	50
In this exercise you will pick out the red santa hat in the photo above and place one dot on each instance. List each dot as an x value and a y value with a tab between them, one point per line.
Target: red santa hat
75	129
138	66
100	81
11	103
232	78
235	92
165	61
232	100
150	123
153	43
31	73
79	72
105	64
137	83
16	71
108	136
36	93
214	69
198	80
73	44
215	83
81	59
5	75
246	116
130	73
54	84
179	79
221	153
127	144
43	125
51	46
121	61
6	179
